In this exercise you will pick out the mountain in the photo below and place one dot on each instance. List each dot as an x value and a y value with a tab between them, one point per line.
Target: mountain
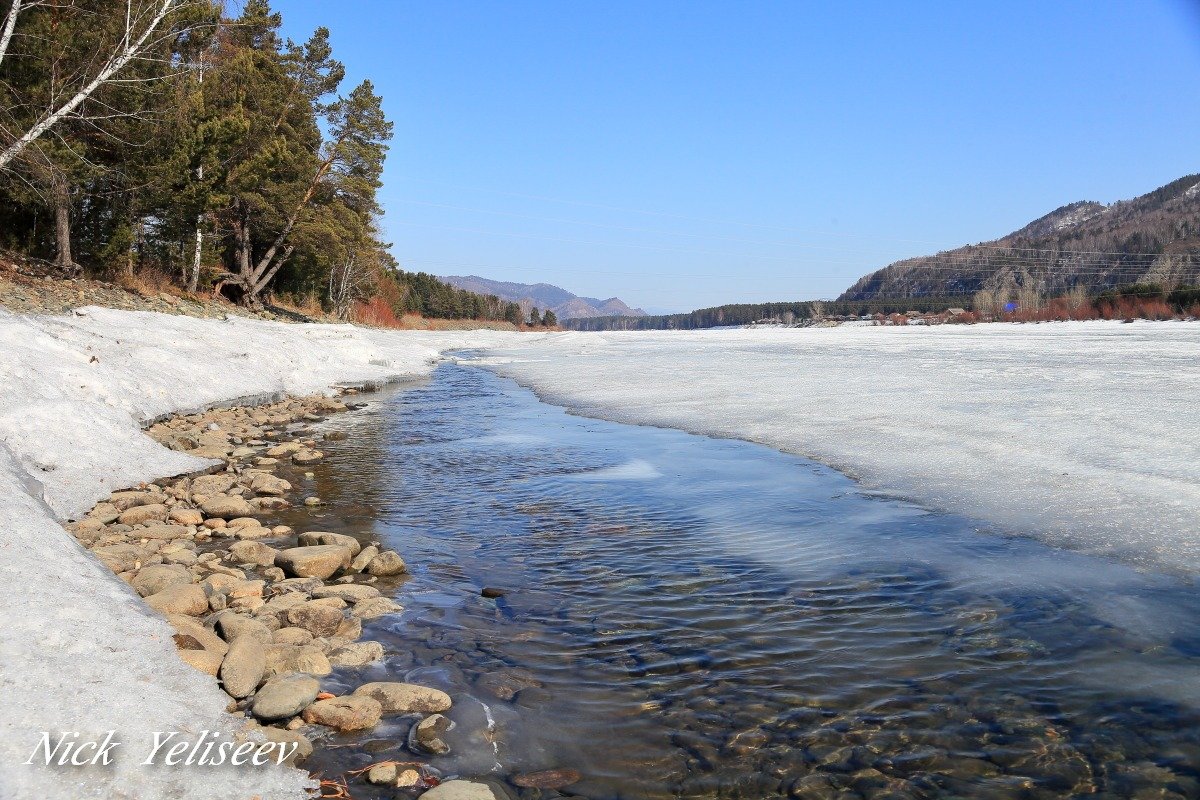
545	296
1154	238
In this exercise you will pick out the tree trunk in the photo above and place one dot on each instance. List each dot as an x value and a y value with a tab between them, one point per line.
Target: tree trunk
62	226
194	280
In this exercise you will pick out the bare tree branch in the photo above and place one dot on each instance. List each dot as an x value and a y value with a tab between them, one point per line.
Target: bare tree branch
10	22
128	51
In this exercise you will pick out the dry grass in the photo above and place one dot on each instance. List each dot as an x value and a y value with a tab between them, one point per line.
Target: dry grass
150	282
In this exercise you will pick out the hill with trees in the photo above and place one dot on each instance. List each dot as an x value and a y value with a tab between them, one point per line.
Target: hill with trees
1084	246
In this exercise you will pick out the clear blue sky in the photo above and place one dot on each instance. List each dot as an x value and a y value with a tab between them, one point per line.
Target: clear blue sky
686	154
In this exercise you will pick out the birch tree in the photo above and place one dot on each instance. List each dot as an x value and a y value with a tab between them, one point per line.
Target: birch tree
143	30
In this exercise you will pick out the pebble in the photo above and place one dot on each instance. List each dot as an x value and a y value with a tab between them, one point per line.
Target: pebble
285	696
351	713
244	666
356	654
426	735
461	790
321	561
405	698
387	563
180	598
547	779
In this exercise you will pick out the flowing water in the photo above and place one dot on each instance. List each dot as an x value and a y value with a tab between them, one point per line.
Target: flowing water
690	617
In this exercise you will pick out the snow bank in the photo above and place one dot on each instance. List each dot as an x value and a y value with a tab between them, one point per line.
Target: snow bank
78	649
1085	434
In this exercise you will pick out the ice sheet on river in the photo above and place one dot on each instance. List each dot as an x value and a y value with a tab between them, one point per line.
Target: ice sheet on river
1087	434
78	650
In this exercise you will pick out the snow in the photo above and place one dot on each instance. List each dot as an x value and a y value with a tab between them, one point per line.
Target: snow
78	650
1082	434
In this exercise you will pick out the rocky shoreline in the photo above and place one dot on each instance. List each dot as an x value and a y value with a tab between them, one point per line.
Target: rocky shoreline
265	610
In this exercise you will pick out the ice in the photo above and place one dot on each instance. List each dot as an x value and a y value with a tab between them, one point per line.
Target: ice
1084	434
78	650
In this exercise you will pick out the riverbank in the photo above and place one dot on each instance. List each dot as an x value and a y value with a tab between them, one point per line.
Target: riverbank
77	391
266	610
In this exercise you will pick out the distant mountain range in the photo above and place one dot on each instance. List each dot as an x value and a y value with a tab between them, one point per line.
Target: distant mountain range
545	296
1154	238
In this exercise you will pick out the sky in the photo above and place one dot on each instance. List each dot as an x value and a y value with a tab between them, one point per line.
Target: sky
686	154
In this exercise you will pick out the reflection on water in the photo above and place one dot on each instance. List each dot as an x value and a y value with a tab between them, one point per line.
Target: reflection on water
688	617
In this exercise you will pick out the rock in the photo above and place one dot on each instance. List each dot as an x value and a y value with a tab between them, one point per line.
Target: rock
226	506
273	574
305	658
352	713
382	775
206	661
247	552
233	626
185	516
265	484
504	684
243	667
376	607
426	735
491	593
281	603
386	563
313	538
153	578
161	531
292	636
121	557
547	779
357	654
328	602
212	484
220	582
251	532
461	790
406	698
313	501
408	778
298	745
319	620
313	562
155	512
364	558
186	626
349	630
180	598
86	530
243	589
305	457
104	512
285	449
123	501
334	436
285	696
185	557
351	593
302	585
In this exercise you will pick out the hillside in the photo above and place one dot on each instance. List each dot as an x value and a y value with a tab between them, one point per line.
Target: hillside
545	296
1154	238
